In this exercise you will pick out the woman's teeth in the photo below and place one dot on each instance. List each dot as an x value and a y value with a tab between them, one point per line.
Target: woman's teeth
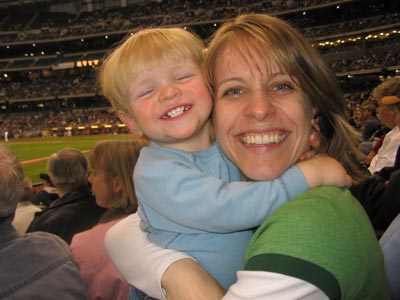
262	139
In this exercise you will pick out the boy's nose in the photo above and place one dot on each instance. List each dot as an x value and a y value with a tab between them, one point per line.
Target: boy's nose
170	92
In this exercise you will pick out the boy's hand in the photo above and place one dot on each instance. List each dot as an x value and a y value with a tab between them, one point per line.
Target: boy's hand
322	170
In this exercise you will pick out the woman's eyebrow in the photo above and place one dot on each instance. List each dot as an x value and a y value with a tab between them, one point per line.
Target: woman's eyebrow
230	78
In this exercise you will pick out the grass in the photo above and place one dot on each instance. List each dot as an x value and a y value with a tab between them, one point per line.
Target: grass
41	148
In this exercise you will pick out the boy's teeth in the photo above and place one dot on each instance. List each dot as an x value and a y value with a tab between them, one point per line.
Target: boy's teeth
262	139
177	111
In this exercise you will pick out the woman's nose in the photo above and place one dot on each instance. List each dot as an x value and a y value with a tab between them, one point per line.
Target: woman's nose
170	92
260	106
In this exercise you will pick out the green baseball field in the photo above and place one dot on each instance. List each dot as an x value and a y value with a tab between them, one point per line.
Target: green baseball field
33	153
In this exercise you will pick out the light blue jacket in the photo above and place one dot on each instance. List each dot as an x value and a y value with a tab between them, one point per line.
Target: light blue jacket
196	202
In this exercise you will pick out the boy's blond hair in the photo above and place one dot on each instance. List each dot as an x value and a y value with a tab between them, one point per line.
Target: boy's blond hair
143	51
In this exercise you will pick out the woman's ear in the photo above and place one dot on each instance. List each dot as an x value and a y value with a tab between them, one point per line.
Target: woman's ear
315	132
117	185
130	123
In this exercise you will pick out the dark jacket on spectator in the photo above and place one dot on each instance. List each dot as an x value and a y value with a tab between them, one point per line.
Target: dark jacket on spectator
380	195
37	266
43	198
75	212
372	124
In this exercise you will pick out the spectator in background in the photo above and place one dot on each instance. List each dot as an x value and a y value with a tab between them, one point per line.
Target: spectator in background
113	163
349	112
369	120
25	209
370	126
387	152
387	88
75	210
47	194
38	265
380	195
357	117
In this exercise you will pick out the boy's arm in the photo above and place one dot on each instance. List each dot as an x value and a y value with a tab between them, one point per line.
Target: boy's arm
186	200
140	262
322	170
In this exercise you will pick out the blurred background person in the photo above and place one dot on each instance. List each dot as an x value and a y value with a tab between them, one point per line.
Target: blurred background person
385	112
75	210
25	211
371	126
47	194
370	123
386	154
112	184
37	265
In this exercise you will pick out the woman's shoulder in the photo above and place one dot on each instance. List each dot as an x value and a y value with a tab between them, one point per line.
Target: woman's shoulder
323	228
316	215
321	201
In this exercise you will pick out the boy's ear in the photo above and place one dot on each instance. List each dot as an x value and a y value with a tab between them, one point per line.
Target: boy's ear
130	123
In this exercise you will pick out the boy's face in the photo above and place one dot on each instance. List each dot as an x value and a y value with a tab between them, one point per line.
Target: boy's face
171	104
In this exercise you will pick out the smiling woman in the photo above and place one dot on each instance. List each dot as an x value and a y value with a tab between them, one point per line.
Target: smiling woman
243	93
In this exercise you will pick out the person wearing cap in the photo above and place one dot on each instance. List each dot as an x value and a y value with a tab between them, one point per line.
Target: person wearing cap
47	194
387	152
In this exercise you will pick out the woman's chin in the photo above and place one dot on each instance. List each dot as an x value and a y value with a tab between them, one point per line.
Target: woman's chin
263	172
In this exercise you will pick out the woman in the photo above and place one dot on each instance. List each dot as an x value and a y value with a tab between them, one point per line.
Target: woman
113	163
265	79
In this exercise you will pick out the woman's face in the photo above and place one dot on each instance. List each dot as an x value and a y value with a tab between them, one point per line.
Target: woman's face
261	118
101	188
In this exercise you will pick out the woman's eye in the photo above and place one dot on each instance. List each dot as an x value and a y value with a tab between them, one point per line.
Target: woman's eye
281	87
233	92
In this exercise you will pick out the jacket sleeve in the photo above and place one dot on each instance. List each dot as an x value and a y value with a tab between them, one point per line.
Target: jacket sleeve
175	196
140	262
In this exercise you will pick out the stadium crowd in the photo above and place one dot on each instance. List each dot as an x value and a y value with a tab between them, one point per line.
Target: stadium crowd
166	13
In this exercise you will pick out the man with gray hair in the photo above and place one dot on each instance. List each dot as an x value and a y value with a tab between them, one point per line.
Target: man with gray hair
75	210
38	265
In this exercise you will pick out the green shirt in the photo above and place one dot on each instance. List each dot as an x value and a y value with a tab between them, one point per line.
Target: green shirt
324	237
